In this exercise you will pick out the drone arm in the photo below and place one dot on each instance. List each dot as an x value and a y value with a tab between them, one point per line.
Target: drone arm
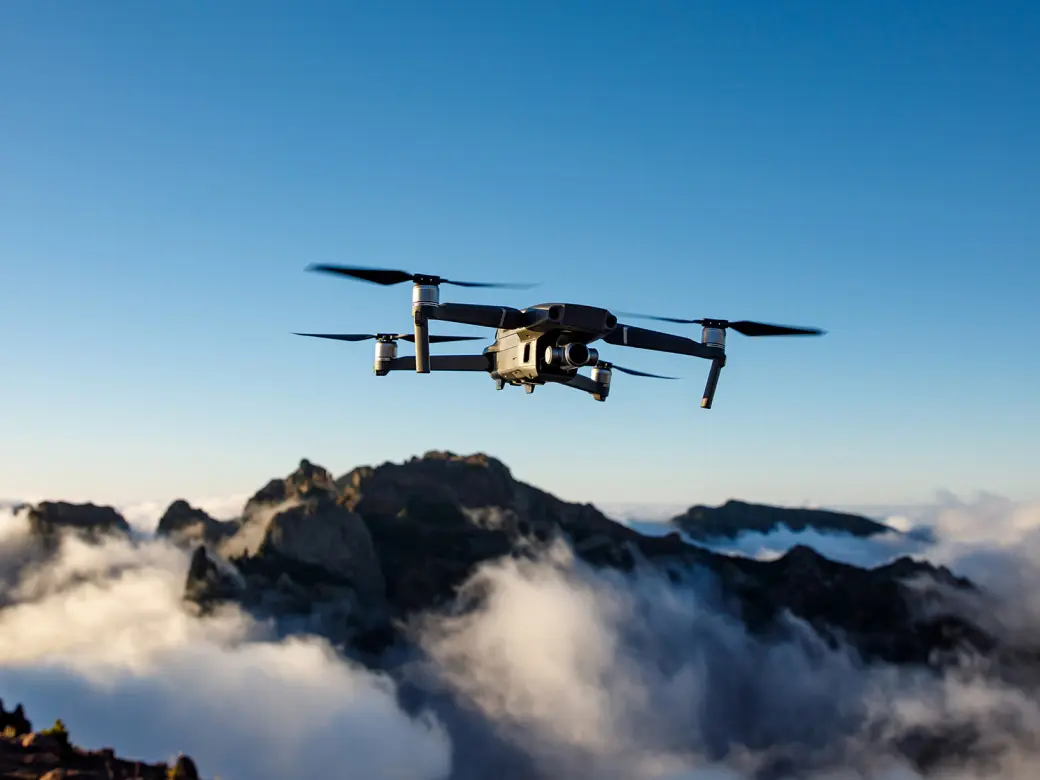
642	338
582	382
475	314
444	363
598	390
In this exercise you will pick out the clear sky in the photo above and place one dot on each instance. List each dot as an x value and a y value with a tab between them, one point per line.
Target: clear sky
169	169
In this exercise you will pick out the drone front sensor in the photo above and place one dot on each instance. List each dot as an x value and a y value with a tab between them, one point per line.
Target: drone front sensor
543	344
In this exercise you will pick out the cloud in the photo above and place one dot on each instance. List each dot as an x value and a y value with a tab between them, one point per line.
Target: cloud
606	677
547	670
102	629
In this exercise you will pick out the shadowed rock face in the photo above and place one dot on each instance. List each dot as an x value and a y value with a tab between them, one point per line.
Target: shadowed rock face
298	554
736	517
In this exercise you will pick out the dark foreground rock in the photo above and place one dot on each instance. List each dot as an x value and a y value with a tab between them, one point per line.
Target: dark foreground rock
736	517
50	754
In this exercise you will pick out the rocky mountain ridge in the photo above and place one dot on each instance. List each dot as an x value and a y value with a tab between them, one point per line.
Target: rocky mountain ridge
353	558
733	518
359	558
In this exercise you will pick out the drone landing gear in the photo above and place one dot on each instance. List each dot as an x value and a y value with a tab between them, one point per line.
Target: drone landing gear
425	294
713	381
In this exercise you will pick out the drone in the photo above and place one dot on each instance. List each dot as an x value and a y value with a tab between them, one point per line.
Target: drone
547	343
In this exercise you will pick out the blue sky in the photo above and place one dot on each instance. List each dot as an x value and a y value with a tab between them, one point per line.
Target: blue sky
170	169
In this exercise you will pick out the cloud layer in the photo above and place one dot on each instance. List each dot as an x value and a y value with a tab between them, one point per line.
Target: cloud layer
561	671
103	631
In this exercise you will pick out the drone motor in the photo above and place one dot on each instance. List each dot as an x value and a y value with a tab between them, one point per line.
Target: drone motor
712	336
386	351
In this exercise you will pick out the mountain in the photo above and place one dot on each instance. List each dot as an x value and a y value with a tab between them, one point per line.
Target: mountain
363	558
736	517
376	546
355	557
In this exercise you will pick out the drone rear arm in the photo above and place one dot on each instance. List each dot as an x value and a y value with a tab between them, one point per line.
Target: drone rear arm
444	363
642	338
595	389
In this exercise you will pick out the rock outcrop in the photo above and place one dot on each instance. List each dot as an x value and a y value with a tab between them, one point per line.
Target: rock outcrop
736	517
14	723
48	520
299	554
50	755
184	524
434	519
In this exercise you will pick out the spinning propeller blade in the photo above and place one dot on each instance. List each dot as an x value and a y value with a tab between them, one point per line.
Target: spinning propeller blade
744	327
397	336
385	276
632	371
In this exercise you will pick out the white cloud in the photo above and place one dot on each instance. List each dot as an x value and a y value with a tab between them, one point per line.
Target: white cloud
103	630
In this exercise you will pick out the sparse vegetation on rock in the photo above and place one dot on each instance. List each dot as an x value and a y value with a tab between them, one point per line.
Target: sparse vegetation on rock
50	754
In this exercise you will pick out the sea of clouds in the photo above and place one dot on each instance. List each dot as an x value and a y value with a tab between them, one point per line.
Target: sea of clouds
563	672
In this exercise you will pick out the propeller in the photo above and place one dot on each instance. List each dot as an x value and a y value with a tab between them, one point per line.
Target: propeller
744	327
385	277
631	371
390	336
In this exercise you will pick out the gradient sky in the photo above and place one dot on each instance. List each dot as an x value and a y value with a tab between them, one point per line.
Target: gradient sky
169	170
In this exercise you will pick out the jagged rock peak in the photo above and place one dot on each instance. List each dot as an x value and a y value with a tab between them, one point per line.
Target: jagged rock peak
307	481
473	459
183	769
180	514
183	523
49	518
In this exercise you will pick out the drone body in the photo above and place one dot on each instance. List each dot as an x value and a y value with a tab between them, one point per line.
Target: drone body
541	344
